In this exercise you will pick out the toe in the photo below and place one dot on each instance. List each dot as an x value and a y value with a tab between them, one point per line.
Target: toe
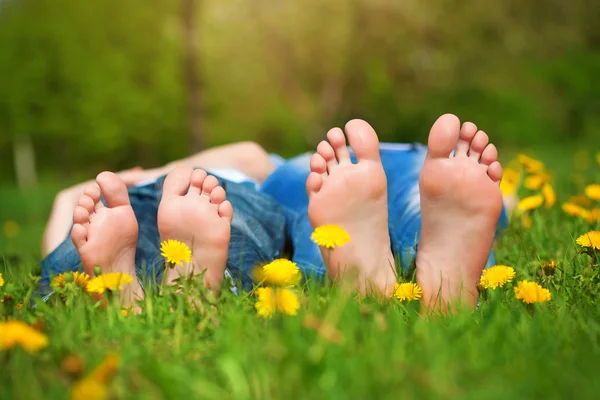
318	165
79	235
93	192
226	210
326	151
338	142
467	133
218	195
495	171
443	136
177	182
81	215
478	144
196	181
210	183
313	183
363	140
489	155
87	203
113	189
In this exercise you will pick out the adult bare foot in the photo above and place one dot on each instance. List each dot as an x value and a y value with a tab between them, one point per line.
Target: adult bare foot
194	211
106	236
353	196
460	206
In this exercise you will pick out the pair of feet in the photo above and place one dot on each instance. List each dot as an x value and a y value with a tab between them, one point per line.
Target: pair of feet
460	205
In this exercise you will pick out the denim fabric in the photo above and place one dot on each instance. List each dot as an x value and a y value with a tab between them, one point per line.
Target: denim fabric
402	164
257	235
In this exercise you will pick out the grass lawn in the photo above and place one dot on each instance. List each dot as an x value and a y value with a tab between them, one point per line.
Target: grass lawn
338	346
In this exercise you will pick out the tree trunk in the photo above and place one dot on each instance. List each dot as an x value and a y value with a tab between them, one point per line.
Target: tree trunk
24	159
192	74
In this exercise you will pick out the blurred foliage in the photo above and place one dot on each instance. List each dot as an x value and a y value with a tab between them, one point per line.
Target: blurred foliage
100	84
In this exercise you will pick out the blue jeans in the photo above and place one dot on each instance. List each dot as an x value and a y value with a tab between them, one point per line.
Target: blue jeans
257	236
268	218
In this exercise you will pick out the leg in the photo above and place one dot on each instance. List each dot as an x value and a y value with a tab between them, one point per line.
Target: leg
460	206
353	196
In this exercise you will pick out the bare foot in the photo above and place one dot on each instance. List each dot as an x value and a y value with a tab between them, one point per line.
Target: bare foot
199	217
460	206
106	236
353	196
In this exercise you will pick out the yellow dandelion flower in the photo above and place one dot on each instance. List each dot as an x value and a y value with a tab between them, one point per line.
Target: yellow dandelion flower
330	236
580	201
531	292
110	281
535	182
175	252
95	385
11	229
549	267
590	240
576	211
593	192
496	276
549	195
526	221
407	291
80	279
510	181
267	303
287	301
531	203
531	165
594	215
271	300
278	272
1	280
18	333
124	312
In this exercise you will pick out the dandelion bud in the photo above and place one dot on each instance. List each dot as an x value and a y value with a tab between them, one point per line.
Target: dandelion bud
97	270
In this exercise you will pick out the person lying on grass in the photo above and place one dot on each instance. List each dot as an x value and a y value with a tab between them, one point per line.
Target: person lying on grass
388	197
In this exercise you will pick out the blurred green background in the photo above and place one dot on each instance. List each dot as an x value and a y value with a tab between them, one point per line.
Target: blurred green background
106	84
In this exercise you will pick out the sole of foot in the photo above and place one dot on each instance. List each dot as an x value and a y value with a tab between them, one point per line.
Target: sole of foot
106	235
193	210
353	196
460	206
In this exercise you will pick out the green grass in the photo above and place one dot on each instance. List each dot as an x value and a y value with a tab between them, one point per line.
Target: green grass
377	349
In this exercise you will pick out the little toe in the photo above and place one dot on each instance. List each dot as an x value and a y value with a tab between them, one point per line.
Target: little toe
218	195
113	189
326	151
226	210
196	181
313	183
87	203
338	142
495	171
443	136
363	140
210	183
478	144
79	235
318	164
489	155
467	133
81	215
177	182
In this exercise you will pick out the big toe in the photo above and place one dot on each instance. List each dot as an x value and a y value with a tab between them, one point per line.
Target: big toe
443	136
363	140
113	189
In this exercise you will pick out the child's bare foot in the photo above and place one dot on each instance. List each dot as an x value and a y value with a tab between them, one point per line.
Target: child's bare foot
353	196
106	236
199	217
460	206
